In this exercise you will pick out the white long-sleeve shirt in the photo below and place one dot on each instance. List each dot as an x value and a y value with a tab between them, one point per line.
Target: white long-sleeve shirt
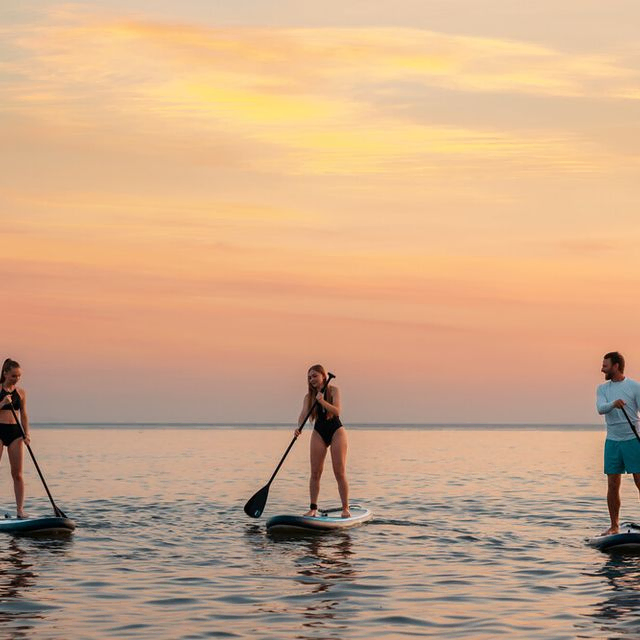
628	390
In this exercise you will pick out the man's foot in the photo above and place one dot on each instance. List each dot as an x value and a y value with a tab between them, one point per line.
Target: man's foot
312	513
346	513
610	531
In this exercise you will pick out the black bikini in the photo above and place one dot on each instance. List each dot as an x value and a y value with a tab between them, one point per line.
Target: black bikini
325	426
15	399
10	432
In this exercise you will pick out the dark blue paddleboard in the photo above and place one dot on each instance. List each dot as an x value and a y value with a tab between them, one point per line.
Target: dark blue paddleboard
36	525
329	520
628	538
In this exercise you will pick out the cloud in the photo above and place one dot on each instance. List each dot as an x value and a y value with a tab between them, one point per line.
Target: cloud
299	101
311	59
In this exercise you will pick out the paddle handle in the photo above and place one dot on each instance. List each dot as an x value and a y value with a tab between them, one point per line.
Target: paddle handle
635	431
330	377
57	511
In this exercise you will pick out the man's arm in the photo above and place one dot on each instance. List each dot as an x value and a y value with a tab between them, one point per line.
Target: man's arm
601	402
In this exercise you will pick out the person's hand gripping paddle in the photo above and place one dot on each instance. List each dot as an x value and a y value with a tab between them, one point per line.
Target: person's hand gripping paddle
626	415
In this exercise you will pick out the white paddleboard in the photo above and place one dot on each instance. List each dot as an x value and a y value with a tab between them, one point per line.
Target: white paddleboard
329	520
627	538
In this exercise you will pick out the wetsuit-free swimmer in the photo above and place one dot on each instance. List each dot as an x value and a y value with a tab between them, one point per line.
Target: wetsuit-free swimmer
10	434
328	433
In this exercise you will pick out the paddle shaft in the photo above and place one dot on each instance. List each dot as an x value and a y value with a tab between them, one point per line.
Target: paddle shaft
57	511
626	415
330	376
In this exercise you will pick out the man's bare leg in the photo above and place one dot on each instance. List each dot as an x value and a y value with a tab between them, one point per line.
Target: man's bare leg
636	479
613	501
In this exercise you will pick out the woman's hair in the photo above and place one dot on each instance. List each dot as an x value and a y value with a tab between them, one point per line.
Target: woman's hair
313	392
6	367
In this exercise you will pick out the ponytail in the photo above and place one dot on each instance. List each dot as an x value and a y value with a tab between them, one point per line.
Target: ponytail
6	367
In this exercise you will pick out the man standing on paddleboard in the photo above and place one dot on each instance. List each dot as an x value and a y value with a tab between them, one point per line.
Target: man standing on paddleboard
618	399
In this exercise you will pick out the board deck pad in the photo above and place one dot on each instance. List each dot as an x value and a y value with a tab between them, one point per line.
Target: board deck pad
48	524
328	520
627	538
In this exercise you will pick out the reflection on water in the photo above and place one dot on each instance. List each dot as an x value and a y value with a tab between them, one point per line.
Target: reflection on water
322	563
18	577
15	573
330	554
620	610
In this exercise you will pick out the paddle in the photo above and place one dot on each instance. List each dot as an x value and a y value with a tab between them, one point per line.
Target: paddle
255	504
626	415
56	510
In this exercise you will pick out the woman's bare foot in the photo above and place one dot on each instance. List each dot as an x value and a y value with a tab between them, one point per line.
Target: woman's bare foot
610	531
312	513
21	515
346	513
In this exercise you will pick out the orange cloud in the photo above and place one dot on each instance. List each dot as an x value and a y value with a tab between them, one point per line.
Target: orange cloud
298	100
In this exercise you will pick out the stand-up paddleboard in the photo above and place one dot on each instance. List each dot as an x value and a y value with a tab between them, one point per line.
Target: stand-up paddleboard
328	520
628	538
36	525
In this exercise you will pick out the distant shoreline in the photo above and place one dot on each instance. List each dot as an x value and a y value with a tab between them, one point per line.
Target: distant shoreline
361	425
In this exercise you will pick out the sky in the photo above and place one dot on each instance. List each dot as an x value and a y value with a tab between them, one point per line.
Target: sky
436	199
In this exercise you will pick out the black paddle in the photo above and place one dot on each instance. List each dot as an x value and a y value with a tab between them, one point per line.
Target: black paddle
56	510
626	415
255	505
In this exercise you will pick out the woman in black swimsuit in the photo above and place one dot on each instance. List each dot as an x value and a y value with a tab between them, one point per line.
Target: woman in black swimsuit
328	432
10	434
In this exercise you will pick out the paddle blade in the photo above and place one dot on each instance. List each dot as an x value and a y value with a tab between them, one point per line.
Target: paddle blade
255	504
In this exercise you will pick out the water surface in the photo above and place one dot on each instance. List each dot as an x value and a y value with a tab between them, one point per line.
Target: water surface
477	534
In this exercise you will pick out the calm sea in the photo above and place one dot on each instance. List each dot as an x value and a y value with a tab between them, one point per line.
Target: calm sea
478	533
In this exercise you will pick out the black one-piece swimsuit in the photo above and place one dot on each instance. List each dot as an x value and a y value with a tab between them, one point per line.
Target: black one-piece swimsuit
326	427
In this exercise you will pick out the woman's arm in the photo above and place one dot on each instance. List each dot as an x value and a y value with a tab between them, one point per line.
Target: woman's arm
306	405
303	414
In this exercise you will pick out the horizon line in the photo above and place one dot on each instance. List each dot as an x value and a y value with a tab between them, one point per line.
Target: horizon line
287	424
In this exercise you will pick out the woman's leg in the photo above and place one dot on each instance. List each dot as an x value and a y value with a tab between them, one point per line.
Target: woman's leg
15	460
317	454
339	462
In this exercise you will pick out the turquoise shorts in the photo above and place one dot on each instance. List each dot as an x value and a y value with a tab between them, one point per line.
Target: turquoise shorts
622	456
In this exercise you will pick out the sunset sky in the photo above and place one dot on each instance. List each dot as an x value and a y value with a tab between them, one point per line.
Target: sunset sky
437	199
